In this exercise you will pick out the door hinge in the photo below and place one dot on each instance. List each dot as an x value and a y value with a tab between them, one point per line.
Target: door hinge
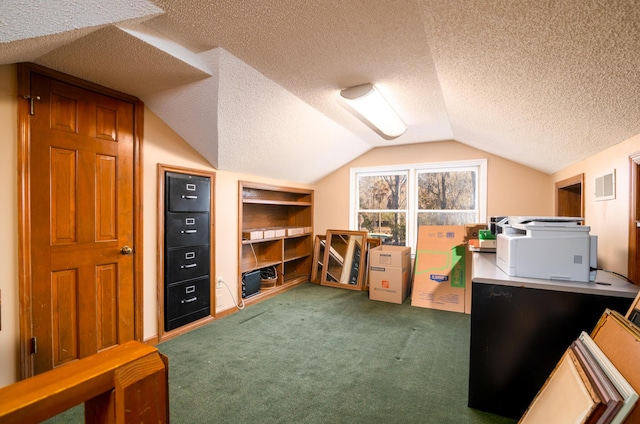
34	345
31	100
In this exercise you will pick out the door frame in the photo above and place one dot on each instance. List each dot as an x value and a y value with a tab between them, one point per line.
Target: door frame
634	217
24	202
568	182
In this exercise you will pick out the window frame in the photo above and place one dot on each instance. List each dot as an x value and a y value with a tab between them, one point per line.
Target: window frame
412	171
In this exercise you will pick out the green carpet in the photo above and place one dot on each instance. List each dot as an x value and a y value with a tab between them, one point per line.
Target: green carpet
324	355
318	354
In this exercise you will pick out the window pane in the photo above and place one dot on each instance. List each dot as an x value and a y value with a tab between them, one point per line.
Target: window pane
454	190
446	218
391	227
383	191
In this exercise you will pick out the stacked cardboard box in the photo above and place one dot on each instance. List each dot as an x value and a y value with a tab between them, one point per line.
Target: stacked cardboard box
389	272
442	271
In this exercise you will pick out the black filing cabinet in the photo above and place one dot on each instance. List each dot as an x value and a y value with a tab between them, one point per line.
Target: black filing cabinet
187	259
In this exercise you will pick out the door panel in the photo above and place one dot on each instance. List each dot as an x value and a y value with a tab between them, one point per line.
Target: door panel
63	196
81	189
107	283
106	193
64	300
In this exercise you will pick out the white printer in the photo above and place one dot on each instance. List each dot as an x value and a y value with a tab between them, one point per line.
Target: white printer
552	248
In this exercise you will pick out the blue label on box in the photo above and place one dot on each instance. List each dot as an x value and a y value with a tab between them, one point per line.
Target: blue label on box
439	278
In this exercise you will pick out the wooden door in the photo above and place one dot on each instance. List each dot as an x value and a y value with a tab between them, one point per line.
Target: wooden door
81	191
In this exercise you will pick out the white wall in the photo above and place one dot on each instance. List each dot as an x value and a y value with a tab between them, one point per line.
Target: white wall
512	189
9	333
609	219
163	146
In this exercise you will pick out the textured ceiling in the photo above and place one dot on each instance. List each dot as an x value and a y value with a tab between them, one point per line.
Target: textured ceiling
254	85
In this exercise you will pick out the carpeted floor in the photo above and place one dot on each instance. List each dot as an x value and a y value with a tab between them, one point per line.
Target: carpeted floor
324	355
318	354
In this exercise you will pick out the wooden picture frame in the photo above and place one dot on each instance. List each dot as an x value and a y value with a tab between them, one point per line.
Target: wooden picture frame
371	243
344	259
318	257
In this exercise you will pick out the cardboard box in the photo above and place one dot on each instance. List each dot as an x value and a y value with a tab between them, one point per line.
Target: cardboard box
295	231
472	231
269	233
252	235
389	272
440	271
390	256
472	234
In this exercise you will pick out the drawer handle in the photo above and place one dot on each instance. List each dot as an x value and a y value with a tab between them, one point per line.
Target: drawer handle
190	197
189	231
193	299
189	266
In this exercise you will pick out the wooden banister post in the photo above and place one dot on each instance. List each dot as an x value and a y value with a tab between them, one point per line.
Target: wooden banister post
127	383
140	391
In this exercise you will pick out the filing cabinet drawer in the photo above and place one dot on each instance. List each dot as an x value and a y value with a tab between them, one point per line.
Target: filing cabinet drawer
187	297
185	263
186	229
188	193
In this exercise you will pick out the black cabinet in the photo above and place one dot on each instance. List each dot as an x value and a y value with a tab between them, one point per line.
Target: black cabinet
188	193
187	229
520	327
185	263
188	301
187	259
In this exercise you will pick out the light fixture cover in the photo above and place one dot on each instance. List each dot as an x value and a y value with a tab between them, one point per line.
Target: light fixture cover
372	106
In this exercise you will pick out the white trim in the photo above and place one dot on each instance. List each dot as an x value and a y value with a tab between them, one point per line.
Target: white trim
412	170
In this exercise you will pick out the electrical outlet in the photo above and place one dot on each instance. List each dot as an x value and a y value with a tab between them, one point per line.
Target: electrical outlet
219	282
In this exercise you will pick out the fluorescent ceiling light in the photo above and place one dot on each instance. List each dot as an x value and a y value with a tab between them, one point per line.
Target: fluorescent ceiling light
371	106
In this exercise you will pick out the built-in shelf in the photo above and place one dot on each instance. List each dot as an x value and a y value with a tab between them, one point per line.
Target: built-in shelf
275	230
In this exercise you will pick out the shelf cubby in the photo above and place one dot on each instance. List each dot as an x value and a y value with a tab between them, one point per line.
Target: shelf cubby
279	221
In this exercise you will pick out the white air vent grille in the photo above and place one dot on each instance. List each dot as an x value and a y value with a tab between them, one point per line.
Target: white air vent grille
606	186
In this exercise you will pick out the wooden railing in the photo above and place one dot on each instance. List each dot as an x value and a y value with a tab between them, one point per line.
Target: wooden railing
125	384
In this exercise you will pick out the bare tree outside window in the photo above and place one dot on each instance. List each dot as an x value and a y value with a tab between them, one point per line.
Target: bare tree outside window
392	203
383	207
447	198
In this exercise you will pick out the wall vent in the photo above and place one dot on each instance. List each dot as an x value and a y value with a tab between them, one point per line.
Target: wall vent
606	186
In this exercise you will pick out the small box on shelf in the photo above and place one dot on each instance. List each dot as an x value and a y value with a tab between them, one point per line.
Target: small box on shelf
295	231
253	235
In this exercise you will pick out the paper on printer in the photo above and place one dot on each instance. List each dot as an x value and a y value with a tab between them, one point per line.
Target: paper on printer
548	247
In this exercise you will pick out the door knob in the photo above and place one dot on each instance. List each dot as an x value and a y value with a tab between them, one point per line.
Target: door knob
126	250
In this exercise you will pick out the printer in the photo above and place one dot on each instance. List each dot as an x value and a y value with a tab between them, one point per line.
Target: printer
552	248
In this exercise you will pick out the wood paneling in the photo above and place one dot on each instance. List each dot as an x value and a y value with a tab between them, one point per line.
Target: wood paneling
106	207
64	293
107	305
81	186
63	195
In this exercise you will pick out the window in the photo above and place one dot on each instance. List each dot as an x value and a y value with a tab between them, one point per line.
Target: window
391	202
382	206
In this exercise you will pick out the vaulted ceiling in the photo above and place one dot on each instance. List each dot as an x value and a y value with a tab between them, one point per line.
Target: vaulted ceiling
254	85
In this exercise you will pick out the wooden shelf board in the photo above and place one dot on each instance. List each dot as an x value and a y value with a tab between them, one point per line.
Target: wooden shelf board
261	265
295	258
276	202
